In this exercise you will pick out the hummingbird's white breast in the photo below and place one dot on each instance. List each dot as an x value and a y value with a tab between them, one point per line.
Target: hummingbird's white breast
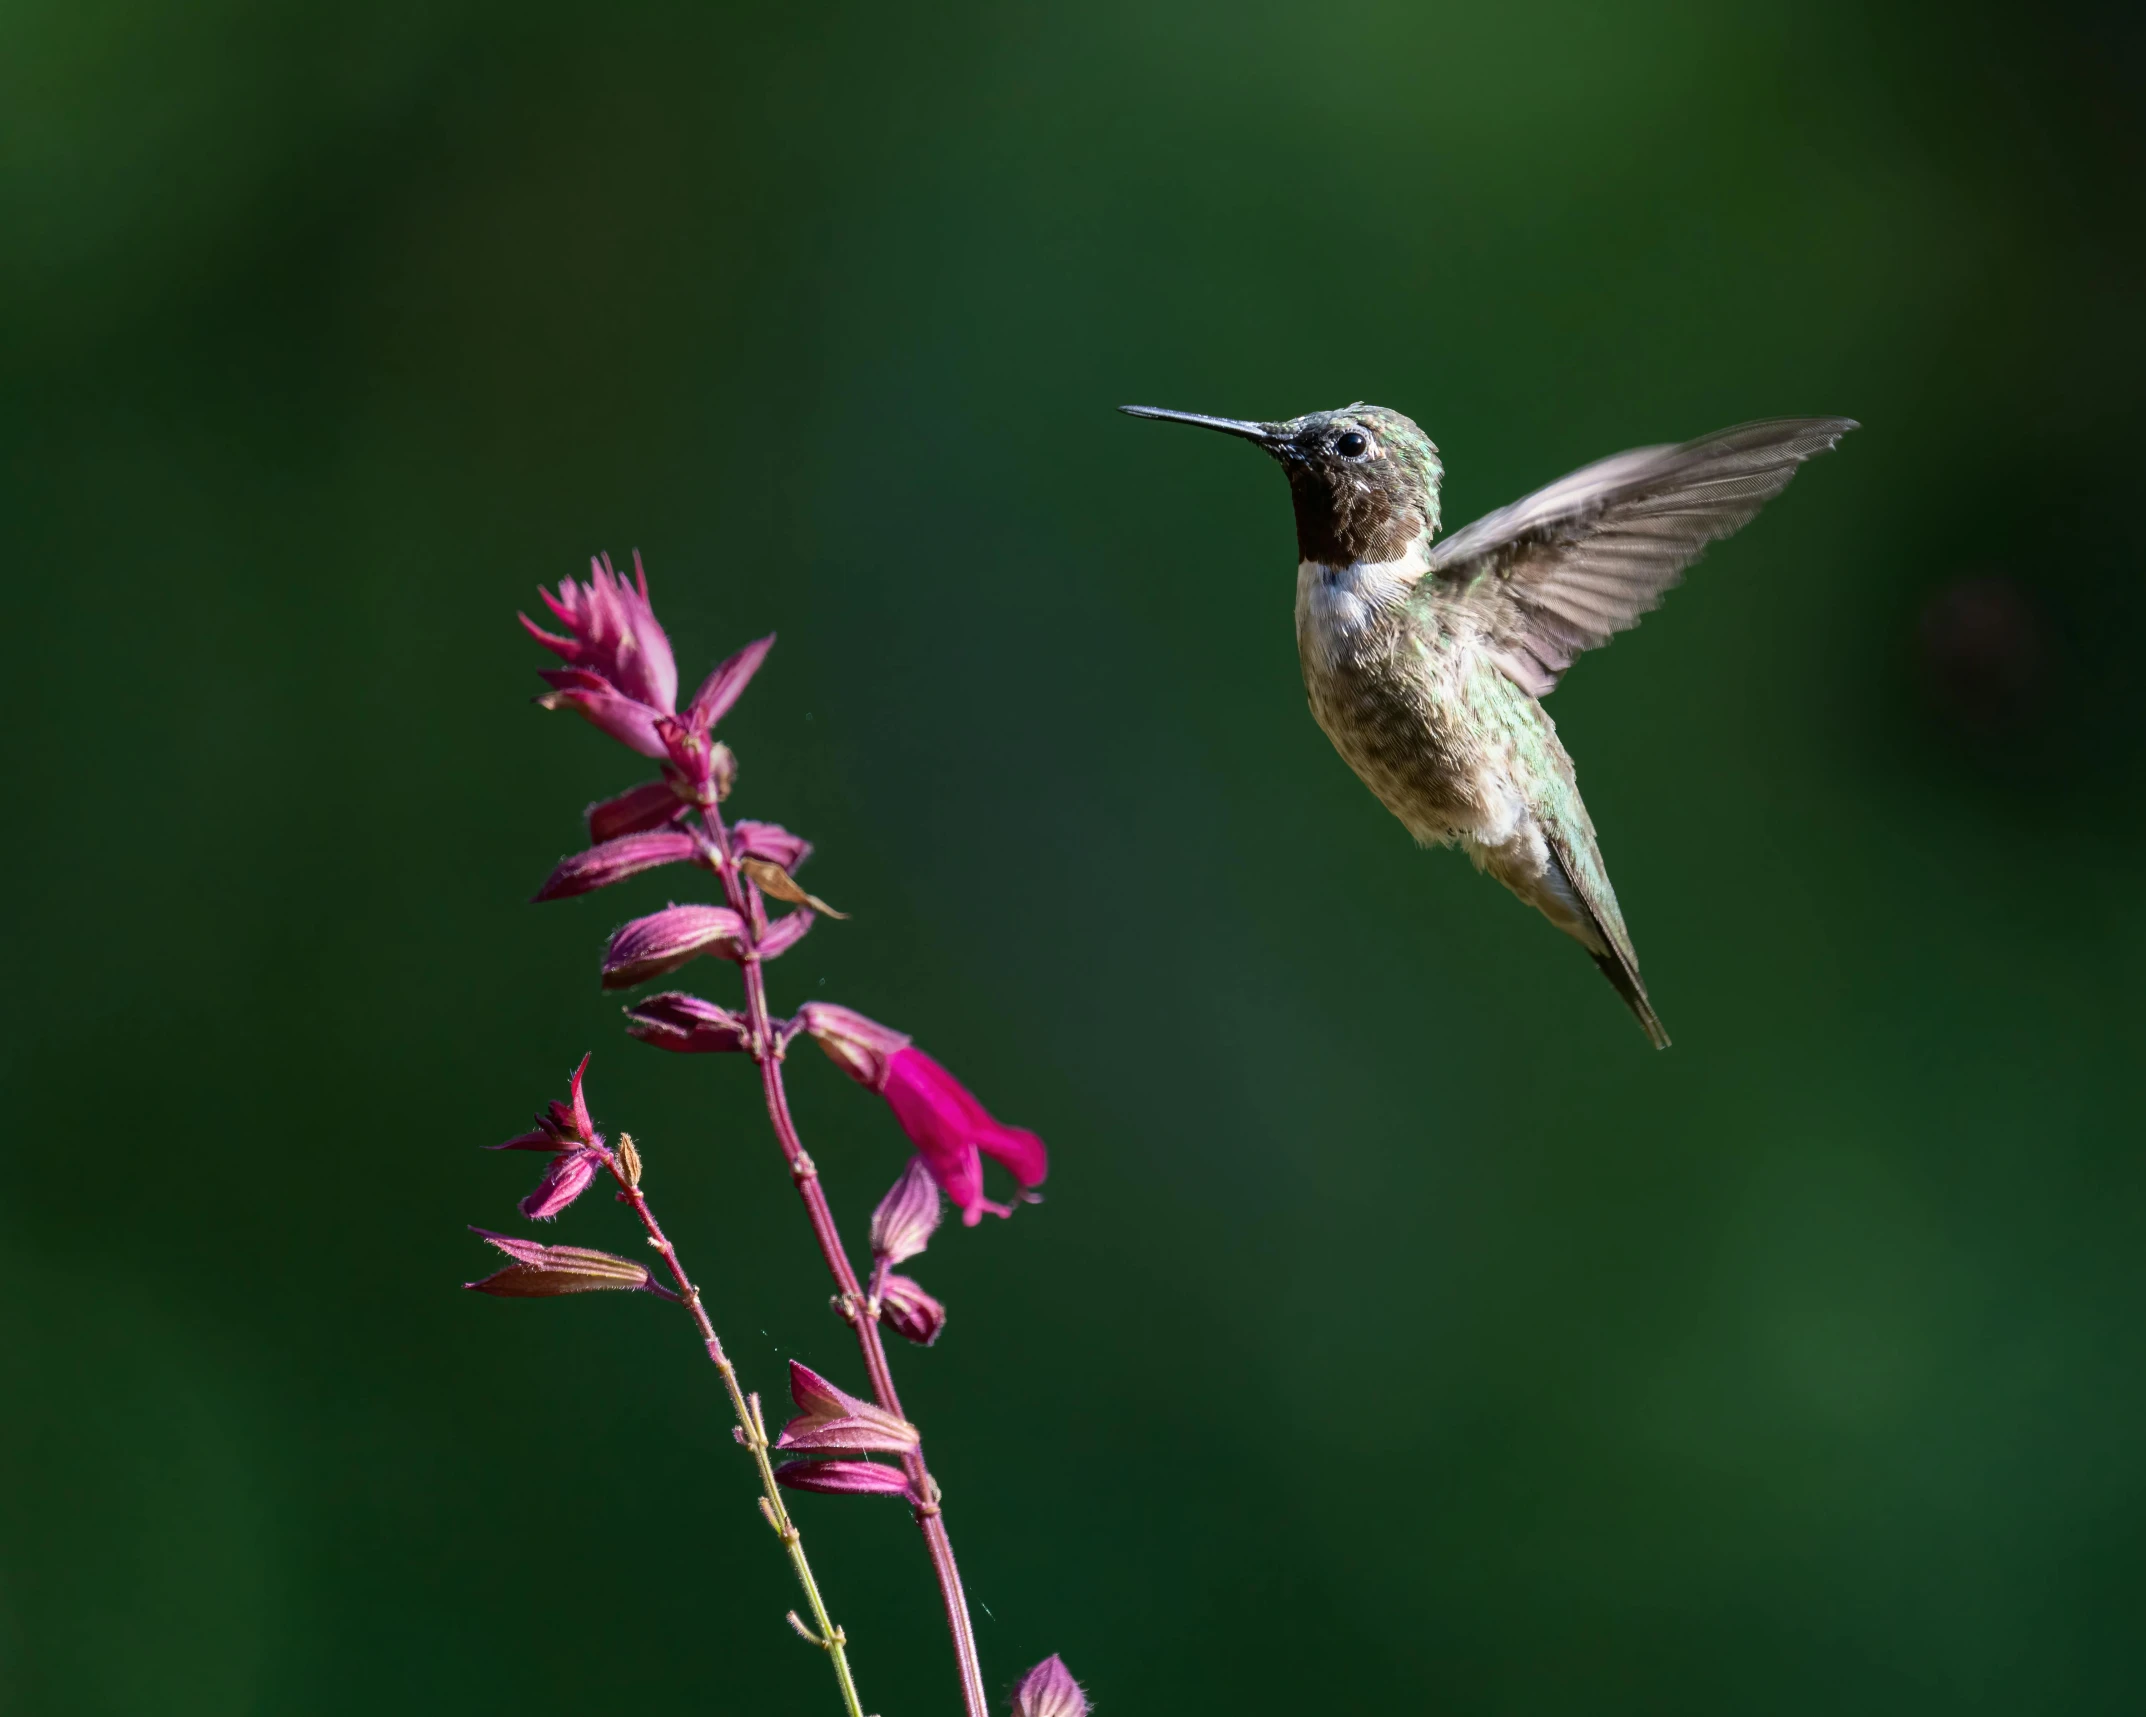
1339	607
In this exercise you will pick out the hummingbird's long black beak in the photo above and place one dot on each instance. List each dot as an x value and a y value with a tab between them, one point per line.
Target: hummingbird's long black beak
1266	434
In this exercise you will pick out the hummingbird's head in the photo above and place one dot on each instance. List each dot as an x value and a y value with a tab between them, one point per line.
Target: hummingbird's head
1364	479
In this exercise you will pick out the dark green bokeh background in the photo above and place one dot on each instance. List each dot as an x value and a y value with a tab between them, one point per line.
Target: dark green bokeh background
1400	1334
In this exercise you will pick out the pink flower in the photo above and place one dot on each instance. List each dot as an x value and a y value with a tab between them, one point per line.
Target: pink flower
951	1130
620	675
1049	1690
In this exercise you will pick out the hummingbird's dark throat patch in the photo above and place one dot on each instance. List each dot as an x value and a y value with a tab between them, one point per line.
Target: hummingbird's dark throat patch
1350	515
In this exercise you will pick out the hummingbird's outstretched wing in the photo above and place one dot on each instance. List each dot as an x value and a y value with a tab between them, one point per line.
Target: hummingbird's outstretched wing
1567	567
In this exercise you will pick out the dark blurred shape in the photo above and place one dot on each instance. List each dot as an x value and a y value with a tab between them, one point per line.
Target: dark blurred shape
1985	653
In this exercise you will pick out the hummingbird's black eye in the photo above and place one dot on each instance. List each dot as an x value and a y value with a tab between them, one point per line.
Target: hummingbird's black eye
1352	445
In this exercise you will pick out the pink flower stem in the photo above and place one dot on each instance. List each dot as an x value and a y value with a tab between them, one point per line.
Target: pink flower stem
860	1310
625	1166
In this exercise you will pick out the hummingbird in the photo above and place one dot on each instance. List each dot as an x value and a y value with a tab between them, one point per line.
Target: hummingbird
1426	660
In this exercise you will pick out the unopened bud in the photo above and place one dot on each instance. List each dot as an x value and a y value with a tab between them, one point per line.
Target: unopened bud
903	1224
1049	1690
539	1271
910	1312
629	1160
831	1419
844	1478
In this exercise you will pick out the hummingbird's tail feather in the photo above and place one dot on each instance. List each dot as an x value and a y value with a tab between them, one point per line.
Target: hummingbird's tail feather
1579	885
1626	983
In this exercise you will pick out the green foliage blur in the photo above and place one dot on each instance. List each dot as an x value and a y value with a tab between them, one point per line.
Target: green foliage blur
1400	1333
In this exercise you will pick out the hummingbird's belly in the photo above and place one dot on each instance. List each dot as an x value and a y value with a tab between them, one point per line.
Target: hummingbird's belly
1411	746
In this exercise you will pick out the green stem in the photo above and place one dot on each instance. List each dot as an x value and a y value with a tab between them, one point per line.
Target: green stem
625	1167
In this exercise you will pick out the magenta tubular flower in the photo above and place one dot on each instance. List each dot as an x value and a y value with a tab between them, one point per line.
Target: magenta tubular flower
844	1478
949	1128
1049	1690
614	861
687	1025
663	941
566	1177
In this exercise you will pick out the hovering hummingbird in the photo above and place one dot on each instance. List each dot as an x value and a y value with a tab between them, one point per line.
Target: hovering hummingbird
1425	662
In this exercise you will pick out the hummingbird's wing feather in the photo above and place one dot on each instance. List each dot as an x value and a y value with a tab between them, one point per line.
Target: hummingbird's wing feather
1568	567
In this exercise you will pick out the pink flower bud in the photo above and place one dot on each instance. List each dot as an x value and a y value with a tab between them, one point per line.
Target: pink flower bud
903	1224
566	1177
784	933
909	1311
562	1125
647	806
844	1478
686	1025
614	861
593	697
539	1271
612	632
1049	1690
949	1127
721	689
834	1421
860	1047
769	841
664	941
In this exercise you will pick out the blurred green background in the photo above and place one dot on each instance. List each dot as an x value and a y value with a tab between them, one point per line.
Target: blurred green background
1399	1333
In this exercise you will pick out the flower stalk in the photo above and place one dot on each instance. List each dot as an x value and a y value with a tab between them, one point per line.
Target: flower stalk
858	1309
624	1164
619	674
